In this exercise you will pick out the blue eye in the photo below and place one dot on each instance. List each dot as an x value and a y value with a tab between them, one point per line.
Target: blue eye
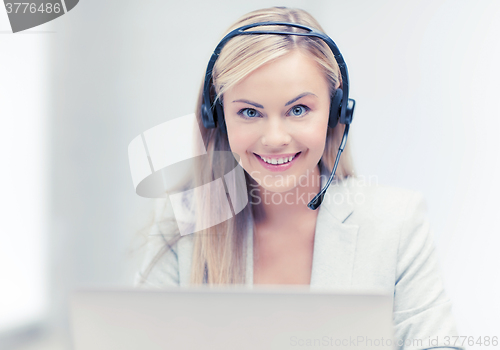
299	110
248	113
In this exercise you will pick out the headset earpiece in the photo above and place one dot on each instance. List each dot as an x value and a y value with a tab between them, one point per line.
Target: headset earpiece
349	111
219	116
335	107
211	114
207	116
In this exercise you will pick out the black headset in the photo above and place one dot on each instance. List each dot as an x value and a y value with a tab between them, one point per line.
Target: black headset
341	106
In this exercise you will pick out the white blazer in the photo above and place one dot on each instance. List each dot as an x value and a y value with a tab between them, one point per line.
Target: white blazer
367	237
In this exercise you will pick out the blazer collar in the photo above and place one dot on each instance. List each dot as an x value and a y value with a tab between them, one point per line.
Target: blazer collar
334	240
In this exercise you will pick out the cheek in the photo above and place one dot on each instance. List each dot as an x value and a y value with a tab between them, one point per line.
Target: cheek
316	146
314	138
319	143
240	141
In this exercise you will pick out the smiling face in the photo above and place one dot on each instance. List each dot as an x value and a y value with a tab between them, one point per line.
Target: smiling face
278	114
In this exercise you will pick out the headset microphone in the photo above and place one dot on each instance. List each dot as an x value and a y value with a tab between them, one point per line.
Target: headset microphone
341	106
318	199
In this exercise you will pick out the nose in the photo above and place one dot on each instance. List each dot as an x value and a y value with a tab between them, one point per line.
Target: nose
275	133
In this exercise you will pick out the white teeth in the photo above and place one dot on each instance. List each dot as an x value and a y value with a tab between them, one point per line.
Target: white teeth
278	160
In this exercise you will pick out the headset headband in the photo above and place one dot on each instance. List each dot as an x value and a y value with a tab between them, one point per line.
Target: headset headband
345	117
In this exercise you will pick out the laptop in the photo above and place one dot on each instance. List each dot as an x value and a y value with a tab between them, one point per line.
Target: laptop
230	318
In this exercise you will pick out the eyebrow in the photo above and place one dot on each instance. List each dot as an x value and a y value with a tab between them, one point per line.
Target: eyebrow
255	104
299	97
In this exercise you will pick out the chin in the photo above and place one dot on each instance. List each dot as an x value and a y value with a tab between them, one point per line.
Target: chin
280	184
278	189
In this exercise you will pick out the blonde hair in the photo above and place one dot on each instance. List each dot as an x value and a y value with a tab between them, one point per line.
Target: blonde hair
219	255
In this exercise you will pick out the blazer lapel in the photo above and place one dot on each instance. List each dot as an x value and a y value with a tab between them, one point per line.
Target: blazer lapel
334	241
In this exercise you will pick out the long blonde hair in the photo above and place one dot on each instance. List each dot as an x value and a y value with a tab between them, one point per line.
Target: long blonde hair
219	255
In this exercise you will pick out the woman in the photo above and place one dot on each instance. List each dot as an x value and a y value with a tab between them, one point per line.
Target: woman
276	93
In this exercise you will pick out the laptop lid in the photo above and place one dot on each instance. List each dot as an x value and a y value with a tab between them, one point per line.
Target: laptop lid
229	318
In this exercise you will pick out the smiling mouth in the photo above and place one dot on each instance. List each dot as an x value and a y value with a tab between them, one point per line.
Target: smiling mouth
278	160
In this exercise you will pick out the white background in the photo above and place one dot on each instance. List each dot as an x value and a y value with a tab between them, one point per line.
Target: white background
424	74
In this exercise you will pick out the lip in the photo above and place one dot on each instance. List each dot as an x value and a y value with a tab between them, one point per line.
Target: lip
278	167
277	155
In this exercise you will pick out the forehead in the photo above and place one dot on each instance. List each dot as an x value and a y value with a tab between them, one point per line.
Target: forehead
293	73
